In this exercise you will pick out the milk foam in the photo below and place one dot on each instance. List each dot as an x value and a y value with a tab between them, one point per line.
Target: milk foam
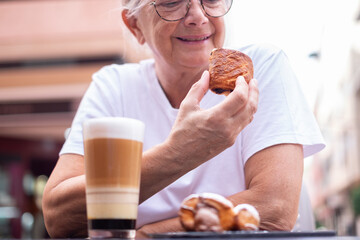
114	127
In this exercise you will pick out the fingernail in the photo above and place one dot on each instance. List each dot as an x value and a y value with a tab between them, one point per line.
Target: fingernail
255	81
240	79
204	73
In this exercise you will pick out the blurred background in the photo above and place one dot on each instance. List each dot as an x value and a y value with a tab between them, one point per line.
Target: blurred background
50	49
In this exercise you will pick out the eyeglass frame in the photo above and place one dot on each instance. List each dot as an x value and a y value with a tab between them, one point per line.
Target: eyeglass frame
188	5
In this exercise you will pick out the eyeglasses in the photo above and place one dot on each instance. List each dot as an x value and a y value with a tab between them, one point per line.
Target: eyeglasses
175	10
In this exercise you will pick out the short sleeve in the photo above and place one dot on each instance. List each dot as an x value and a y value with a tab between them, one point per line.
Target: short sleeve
283	114
100	100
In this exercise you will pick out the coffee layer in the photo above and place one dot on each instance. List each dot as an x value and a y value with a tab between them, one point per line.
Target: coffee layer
112	195
112	202
111	210
112	224
112	162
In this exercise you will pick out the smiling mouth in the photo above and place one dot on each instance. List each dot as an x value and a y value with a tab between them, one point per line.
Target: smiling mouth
193	39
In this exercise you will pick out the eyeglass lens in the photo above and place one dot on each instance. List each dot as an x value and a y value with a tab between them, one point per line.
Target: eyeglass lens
173	10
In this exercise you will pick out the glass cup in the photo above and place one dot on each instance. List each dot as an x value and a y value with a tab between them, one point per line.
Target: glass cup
113	151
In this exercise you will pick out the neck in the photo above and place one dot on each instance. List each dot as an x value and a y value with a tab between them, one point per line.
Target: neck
176	82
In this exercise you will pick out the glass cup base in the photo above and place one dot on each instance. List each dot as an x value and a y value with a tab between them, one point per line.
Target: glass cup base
112	233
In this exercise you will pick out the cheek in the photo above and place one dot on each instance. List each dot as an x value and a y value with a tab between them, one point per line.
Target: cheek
220	33
152	27
163	36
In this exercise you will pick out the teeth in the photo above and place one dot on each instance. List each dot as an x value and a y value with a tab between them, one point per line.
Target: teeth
194	39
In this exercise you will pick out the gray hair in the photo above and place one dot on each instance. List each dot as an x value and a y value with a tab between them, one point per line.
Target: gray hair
134	6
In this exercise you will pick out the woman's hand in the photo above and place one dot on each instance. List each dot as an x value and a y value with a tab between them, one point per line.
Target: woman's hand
200	134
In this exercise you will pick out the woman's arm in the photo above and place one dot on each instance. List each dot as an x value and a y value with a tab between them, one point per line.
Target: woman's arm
64	202
273	181
64	205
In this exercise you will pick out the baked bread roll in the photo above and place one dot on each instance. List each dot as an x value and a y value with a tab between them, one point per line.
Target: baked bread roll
225	65
206	212
246	217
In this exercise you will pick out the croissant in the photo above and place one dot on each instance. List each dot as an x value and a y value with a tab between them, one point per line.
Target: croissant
247	217
213	212
225	65
206	212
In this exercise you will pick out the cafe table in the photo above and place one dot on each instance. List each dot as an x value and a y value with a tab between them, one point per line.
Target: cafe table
285	238
248	238
331	235
255	238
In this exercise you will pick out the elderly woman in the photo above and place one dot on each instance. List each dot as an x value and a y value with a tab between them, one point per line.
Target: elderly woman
248	146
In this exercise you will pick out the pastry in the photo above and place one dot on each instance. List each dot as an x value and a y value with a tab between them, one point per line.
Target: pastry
246	217
207	212
225	65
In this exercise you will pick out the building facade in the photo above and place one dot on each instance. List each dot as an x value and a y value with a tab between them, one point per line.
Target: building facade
334	174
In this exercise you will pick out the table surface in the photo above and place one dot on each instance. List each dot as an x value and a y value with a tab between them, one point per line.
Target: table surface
250	235
271	236
285	238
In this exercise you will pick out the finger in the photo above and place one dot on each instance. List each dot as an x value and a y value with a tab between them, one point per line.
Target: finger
198	89
253	95
236	100
247	113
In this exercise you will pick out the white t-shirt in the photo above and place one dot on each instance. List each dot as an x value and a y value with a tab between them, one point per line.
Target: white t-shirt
132	90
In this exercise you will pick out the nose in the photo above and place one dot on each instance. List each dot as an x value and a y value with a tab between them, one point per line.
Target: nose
196	15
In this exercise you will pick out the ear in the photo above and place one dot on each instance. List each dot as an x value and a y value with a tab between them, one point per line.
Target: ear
132	24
